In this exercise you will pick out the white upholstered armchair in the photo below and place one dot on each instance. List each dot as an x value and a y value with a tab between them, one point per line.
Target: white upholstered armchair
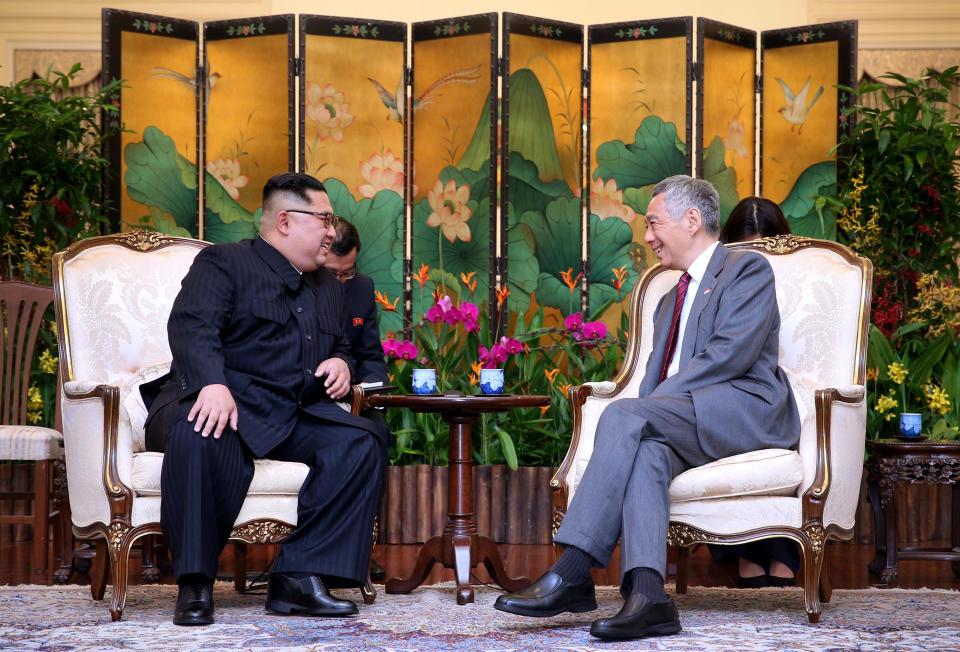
808	495
113	296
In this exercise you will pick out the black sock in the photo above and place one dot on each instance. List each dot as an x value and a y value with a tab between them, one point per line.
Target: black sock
193	578
573	565
647	582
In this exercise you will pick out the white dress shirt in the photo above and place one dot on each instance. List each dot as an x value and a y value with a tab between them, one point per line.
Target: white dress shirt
696	271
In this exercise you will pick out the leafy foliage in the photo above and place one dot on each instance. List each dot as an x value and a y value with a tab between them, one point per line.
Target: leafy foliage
51	169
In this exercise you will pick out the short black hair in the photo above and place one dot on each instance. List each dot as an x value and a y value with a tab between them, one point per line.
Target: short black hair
293	183
752	218
347	239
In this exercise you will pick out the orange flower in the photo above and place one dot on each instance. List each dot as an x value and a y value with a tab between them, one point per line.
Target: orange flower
543	409
474	380
570	282
476	367
423	276
871	374
384	301
551	375
621	275
469	281
564	388
502	294
436	293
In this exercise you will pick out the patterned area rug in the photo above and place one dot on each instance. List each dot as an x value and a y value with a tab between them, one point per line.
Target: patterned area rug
66	618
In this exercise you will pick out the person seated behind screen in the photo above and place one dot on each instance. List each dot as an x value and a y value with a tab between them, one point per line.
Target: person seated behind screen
360	327
771	562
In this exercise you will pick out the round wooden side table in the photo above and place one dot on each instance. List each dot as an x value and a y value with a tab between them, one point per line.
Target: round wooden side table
924	462
460	547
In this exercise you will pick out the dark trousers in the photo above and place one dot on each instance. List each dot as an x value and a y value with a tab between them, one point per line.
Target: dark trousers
204	482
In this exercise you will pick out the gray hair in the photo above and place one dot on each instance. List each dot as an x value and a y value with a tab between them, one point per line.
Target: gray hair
681	193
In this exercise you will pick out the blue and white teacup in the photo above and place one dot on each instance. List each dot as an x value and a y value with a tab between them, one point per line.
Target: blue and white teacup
424	381
491	381
910	424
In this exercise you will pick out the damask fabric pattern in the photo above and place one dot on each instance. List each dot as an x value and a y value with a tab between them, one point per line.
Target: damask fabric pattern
30	443
66	618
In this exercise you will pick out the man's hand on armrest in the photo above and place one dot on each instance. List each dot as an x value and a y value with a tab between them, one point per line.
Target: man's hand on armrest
337	379
214	409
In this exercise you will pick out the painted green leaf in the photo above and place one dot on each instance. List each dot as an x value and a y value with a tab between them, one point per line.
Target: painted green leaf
527	192
225	219
379	221
800	205
166	224
154	177
723	178
610	241
638	198
652	157
524	266
557	240
531	127
477	154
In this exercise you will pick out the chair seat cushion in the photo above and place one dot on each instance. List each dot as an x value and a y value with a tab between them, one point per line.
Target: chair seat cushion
270	477
30	443
770	472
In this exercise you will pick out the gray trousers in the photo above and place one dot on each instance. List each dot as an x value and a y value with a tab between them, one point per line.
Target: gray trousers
641	444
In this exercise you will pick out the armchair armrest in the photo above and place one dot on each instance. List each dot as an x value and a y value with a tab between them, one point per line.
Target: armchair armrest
91	425
841	432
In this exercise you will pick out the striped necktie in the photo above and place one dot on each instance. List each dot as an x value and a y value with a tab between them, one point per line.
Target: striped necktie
674	325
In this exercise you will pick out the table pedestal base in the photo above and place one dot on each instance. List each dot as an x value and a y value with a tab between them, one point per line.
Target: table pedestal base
460	552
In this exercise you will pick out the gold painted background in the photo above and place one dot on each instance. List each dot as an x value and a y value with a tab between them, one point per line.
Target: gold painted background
146	100
789	149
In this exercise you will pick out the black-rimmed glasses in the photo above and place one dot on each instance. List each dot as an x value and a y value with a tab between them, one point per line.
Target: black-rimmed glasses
345	276
326	218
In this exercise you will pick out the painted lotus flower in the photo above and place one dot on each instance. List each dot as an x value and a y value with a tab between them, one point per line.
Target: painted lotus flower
227	172
606	201
327	108
449	210
734	140
382	172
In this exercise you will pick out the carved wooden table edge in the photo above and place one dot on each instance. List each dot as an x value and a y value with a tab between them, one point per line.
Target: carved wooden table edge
460	546
934	461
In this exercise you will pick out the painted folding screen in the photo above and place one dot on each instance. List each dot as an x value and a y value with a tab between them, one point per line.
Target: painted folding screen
453	132
801	112
352	126
639	134
541	164
726	110
154	160
248	119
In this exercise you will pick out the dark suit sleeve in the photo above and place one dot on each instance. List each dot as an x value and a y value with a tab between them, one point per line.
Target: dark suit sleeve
199	315
747	312
367	349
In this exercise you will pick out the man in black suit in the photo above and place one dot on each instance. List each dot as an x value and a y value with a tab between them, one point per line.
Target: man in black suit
258	354
362	331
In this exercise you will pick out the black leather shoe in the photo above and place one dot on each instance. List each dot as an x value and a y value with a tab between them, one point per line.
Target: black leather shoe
194	604
639	617
755	582
306	596
781	582
377	572
549	596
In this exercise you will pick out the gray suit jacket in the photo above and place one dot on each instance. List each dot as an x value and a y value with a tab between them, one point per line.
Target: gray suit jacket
728	359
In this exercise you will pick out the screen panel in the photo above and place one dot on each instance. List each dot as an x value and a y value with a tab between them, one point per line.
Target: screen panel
726	110
352	135
542	163
154	160
248	119
453	132
639	130
801	113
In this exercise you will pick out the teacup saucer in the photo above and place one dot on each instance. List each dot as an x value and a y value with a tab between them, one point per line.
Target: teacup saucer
913	439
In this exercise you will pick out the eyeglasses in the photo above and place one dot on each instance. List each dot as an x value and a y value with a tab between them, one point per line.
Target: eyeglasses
345	276
326	218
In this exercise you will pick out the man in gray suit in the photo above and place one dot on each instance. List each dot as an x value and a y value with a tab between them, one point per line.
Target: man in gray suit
712	389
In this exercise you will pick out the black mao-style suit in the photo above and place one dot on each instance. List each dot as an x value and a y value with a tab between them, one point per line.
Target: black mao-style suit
246	318
360	326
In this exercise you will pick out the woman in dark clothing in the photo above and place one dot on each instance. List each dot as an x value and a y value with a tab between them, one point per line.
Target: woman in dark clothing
771	562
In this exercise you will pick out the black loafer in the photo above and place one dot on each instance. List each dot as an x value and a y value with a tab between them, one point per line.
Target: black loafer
638	618
549	596
308	596
194	604
755	582
377	572
782	582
